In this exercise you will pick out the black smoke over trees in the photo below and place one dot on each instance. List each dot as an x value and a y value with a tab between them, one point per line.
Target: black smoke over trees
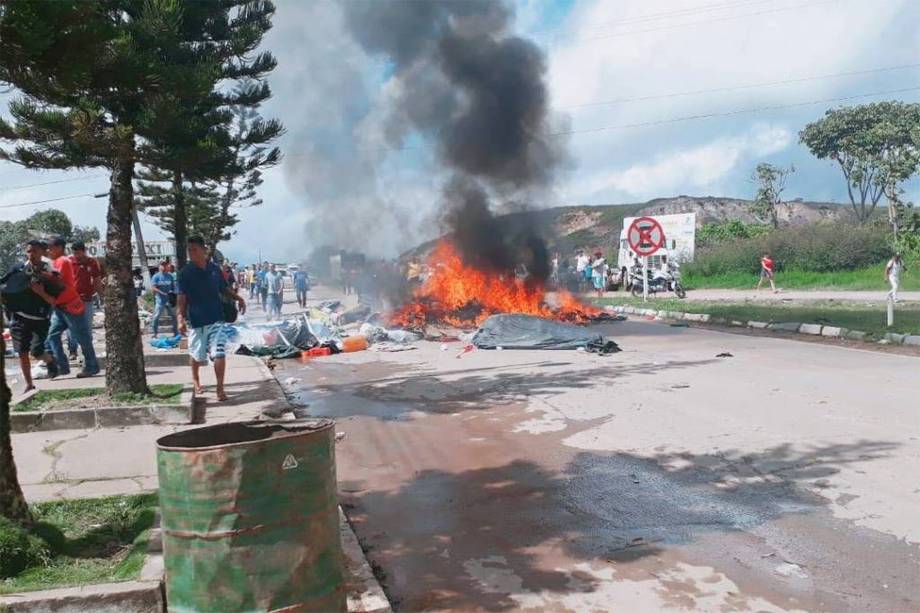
479	92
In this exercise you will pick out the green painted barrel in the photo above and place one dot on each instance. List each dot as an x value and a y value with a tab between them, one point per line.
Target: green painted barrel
249	518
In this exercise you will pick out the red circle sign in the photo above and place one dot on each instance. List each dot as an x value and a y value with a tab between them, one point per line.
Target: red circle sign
645	236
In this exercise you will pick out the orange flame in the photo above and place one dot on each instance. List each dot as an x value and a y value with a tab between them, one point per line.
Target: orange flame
460	295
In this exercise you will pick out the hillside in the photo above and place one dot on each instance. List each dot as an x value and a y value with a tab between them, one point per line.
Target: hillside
568	228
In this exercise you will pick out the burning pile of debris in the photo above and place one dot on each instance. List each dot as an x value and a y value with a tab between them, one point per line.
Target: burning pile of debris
460	295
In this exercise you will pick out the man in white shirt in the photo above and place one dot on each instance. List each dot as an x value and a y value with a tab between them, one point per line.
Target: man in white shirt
893	275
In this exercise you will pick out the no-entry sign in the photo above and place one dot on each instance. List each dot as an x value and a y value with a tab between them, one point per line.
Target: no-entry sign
645	236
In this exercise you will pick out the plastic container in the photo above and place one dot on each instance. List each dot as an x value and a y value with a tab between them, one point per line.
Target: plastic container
316	352
354	343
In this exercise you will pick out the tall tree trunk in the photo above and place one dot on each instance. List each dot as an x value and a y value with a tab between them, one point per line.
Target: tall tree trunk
180	220
12	503
124	352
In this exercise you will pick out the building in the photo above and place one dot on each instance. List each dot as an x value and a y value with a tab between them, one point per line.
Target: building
679	237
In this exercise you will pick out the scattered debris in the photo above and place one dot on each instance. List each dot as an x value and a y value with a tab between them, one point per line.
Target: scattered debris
339	436
466	349
680	386
790	569
724	354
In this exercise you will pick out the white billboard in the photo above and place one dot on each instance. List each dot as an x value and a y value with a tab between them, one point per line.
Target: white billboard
679	237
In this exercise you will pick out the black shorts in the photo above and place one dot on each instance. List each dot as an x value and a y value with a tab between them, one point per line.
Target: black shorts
29	335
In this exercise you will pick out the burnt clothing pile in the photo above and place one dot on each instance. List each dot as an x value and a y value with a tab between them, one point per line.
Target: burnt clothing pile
286	339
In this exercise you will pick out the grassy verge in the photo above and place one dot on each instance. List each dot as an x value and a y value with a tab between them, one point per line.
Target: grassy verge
81	542
868	318
165	393
861	279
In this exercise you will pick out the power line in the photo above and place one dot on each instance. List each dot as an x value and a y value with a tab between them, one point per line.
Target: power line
10	189
685	12
741	87
19	204
703	21
736	112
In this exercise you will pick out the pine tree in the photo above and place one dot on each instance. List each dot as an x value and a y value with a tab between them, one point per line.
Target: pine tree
198	148
96	80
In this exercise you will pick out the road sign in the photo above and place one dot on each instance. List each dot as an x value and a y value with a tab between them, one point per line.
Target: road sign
645	236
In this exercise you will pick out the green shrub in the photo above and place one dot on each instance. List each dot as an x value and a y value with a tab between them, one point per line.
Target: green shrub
19	549
819	247
716	233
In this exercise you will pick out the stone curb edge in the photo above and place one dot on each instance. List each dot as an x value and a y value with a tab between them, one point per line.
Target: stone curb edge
890	338
181	413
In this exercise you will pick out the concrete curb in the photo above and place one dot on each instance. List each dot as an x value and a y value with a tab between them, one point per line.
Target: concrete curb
104	417
890	338
135	596
364	592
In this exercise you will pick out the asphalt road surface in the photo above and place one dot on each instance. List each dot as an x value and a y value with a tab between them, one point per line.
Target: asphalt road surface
780	477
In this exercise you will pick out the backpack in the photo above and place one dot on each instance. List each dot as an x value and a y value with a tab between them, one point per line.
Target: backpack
18	296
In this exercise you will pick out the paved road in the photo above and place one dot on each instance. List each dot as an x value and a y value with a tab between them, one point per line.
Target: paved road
664	477
735	295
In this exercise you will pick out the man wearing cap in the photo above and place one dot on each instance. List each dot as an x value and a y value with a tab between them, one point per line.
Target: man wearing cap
88	278
68	314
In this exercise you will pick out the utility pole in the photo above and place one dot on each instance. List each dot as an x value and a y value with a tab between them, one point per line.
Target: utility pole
141	249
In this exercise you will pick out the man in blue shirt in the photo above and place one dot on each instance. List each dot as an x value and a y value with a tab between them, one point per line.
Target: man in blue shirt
301	285
201	289
262	284
163	285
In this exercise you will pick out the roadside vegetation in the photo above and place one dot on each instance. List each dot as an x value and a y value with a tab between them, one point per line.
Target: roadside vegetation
76	542
825	255
867	317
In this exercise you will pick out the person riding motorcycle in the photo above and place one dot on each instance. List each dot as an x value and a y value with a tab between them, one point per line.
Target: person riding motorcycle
665	272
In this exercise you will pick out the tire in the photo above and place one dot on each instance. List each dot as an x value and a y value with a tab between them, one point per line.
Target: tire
679	290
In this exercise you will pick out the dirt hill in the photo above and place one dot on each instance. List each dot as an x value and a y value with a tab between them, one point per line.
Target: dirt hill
572	227
599	226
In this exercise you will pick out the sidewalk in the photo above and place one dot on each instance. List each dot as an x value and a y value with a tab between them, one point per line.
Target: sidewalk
106	461
100	462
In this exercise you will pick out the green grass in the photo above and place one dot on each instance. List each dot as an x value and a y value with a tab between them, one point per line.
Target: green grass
164	393
868	318
861	279
96	540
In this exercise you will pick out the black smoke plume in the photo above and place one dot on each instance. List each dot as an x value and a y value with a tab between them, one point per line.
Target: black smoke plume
478	91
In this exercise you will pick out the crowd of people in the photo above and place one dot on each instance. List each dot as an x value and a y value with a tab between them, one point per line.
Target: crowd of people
47	295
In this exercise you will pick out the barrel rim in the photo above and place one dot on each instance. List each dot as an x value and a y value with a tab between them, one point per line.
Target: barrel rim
292	429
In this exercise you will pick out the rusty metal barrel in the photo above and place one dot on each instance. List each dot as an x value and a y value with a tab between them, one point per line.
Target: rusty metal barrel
249	517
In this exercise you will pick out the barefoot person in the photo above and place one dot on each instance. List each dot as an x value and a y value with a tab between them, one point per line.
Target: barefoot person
201	313
767	271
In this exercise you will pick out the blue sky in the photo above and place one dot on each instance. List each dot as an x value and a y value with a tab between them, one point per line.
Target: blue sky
342	180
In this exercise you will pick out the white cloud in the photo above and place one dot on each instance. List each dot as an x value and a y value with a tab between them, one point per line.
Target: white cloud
600	55
702	167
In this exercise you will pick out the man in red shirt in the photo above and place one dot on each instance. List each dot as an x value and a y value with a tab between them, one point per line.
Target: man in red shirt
68	314
88	281
766	271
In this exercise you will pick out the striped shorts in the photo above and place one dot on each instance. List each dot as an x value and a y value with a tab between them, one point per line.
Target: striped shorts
207	341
